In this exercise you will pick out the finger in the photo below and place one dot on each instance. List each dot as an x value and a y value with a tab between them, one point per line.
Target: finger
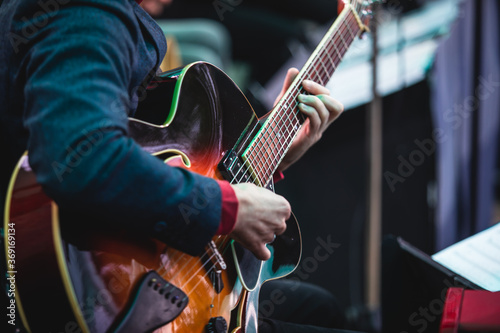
312	116
334	107
288	208
290	76
315	88
317	106
269	238
262	252
281	228
327	107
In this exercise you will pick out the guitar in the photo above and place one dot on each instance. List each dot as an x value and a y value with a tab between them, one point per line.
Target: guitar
70	277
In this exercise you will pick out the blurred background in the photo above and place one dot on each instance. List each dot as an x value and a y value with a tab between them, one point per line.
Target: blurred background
429	138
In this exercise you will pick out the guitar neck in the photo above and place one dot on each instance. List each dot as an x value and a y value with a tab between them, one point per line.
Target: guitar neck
269	146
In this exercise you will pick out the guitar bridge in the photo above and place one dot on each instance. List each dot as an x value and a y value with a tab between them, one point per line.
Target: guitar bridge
216	257
218	265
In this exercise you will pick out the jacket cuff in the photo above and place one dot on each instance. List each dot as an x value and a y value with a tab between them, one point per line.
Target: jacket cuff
229	208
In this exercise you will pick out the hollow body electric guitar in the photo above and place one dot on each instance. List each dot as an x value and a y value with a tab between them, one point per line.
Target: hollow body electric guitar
72	278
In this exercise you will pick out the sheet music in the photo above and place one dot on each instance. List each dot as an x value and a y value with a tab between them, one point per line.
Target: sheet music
476	258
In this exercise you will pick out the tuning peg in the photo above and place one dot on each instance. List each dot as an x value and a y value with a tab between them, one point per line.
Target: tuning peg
367	12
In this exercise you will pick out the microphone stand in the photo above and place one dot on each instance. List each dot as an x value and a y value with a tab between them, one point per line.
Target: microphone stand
374	193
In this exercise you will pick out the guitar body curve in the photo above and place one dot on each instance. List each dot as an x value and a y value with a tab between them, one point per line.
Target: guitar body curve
89	277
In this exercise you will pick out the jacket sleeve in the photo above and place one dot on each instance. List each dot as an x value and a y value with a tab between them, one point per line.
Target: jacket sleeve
77	93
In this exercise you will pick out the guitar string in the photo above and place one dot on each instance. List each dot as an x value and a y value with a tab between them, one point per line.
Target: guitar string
163	267
191	259
306	75
319	63
170	287
187	273
329	44
252	152
286	100
201	279
201	267
314	64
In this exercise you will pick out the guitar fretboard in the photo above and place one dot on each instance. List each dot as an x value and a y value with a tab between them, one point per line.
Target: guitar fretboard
265	152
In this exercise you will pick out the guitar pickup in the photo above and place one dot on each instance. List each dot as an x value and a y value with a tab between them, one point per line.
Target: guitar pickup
233	169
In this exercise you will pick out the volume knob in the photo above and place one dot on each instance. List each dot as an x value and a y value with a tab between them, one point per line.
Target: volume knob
216	325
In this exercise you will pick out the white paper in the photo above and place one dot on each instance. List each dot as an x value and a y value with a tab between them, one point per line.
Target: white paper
476	258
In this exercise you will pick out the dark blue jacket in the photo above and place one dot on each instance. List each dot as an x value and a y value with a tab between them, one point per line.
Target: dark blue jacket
70	71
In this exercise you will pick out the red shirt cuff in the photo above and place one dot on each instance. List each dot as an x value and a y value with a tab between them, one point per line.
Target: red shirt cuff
278	175
229	208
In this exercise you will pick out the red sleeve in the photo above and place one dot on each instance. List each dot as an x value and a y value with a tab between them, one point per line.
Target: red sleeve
278	175
229	208
230	205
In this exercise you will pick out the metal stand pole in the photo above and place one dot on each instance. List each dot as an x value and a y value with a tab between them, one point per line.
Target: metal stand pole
374	216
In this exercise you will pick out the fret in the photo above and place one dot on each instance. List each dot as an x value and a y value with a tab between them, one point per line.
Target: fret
356	28
343	42
261	169
285	132
304	76
260	154
280	133
352	34
272	161
318	75
327	52
325	69
337	51
350	31
333	55
267	164
253	175
255	155
276	147
278	125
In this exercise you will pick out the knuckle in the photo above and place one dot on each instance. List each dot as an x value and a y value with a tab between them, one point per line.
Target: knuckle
316	101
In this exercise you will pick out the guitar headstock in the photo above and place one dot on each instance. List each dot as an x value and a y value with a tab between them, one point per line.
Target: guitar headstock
363	8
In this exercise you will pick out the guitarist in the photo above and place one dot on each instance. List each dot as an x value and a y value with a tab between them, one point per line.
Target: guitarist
71	73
